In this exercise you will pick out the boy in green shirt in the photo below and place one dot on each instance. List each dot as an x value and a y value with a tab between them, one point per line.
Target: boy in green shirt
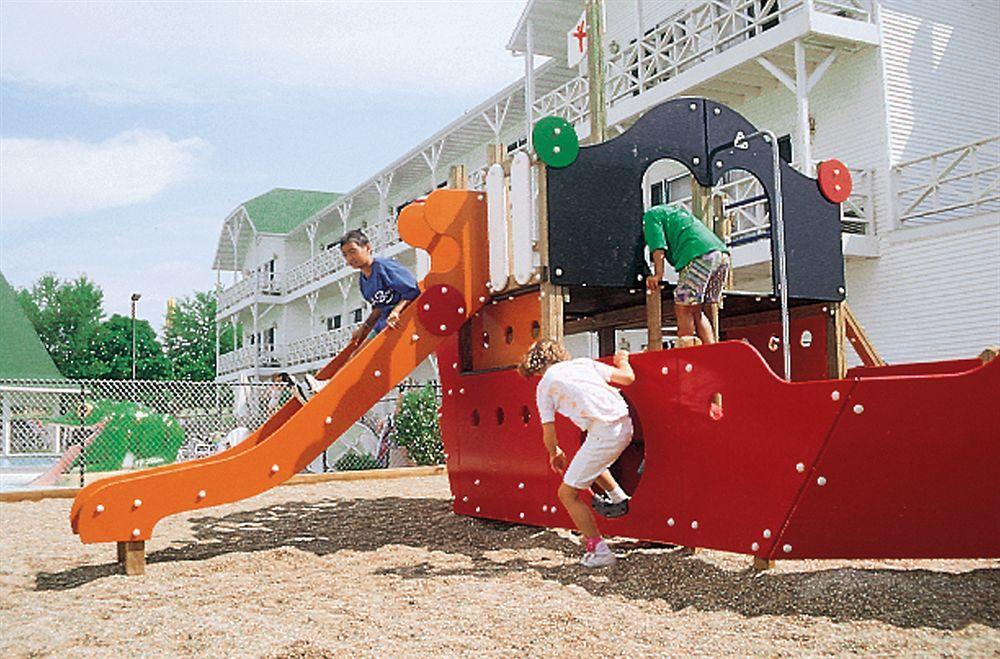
698	255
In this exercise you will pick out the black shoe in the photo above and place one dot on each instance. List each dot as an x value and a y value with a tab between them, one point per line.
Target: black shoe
298	389
603	507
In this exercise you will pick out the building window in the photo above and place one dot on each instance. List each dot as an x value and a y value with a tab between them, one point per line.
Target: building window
358	314
516	144
785	148
333	322
656	196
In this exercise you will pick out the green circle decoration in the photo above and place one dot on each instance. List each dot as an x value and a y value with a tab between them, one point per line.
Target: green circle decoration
555	141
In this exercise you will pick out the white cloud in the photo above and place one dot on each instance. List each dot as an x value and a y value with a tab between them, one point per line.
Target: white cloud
185	52
41	178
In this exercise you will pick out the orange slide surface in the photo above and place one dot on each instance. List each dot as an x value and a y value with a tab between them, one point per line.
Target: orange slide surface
451	226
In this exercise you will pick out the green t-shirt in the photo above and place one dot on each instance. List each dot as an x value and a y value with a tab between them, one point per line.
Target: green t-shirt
680	235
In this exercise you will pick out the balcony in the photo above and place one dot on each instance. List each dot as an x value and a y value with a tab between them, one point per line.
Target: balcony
313	348
303	351
711	50
275	287
950	184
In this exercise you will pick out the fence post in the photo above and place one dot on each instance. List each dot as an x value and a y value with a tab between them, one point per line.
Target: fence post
5	397
82	411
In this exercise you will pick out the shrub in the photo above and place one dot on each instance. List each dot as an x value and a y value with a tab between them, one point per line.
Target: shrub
417	426
356	462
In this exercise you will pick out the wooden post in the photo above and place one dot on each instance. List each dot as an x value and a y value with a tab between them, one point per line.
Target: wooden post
133	556
457	178
836	364
551	302
495	153
654	320
596	95
606	345
855	333
761	564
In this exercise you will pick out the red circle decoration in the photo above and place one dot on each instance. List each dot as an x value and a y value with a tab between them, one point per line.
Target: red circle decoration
442	309
834	180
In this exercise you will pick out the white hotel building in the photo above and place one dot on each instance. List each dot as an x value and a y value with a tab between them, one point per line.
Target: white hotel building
905	92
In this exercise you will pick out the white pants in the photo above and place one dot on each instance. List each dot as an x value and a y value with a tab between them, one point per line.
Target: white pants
604	443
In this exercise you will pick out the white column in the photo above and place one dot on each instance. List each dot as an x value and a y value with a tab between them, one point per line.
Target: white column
311	234
311	300
345	212
431	157
803	141
529	80
382	184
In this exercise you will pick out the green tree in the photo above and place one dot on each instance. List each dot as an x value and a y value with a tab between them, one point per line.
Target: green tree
189	337
110	351
65	315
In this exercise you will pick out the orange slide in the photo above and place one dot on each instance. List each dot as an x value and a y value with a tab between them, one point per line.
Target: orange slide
451	226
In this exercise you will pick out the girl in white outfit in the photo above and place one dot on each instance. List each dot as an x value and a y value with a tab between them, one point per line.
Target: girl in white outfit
580	390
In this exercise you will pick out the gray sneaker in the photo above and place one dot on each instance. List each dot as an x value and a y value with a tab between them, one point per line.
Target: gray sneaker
603	506
315	384
602	556
298	389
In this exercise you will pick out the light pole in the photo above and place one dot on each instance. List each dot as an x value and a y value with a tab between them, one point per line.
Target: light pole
135	298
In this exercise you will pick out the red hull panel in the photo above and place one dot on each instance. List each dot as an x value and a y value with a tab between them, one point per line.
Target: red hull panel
748	482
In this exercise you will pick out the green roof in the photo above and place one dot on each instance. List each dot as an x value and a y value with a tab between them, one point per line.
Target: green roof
22	355
281	210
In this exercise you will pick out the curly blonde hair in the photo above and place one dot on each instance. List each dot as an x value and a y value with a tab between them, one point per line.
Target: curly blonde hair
541	355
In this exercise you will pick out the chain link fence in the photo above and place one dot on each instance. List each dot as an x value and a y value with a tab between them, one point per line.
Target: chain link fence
62	433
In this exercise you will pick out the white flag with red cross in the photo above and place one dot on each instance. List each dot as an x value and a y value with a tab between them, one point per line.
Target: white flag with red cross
576	41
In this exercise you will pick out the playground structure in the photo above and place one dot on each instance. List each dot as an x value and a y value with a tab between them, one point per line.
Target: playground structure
881	462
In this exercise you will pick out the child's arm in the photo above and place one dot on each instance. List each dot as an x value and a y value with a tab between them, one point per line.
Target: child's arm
366	327
622	372
392	320
557	459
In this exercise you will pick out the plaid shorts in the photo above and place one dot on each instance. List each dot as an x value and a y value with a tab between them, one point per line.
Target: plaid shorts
702	279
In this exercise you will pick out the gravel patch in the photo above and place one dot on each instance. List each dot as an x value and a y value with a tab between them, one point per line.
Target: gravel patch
385	568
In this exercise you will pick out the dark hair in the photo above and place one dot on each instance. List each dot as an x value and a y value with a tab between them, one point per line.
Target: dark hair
356	236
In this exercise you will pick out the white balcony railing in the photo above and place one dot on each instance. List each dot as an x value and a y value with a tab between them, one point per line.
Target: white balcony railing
257	282
746	206
237	360
313	348
686	40
949	184
383	235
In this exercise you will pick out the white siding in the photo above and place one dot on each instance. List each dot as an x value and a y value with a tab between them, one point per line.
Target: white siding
942	73
933	294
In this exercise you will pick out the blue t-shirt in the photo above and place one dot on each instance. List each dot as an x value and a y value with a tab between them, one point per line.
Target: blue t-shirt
388	285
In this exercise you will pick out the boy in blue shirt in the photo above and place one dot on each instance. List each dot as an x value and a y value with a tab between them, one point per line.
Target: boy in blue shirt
385	284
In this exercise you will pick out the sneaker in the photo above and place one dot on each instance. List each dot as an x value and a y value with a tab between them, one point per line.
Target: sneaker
603	506
315	384
601	556
298	389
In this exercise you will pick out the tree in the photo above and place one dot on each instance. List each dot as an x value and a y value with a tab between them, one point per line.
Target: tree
65	316
189	337
110	351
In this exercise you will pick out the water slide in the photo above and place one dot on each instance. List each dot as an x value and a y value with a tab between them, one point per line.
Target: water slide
451	226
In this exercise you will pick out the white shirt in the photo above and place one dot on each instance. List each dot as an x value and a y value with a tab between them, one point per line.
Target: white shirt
579	390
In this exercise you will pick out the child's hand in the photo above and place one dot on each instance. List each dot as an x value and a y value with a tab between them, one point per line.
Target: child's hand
653	283
392	320
621	357
558	461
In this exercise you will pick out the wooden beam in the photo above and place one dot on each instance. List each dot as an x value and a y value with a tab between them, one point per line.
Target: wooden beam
761	564
606	345
495	153
859	340
596	95
133	556
654	321
836	362
457	179
550	295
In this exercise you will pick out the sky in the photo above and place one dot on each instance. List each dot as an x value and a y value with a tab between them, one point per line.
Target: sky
129	131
